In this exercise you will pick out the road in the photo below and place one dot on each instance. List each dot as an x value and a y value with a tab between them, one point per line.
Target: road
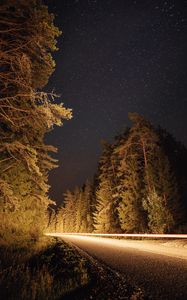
151	266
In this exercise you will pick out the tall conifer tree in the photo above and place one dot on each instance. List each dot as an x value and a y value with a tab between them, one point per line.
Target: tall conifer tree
105	215
27	38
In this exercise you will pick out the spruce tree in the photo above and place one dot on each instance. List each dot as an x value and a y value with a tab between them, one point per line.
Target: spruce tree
162	202
76	213
87	217
68	214
105	215
104	218
129	184
130	210
78	192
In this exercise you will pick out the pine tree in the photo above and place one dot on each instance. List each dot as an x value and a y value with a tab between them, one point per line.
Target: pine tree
147	186
160	184
145	140
27	37
135	169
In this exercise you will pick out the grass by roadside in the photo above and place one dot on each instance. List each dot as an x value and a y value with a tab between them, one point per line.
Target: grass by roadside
45	271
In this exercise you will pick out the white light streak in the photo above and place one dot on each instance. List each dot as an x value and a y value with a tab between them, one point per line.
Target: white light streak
175	247
144	235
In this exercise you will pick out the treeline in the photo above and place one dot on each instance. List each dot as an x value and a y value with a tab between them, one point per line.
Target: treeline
76	215
27	39
140	186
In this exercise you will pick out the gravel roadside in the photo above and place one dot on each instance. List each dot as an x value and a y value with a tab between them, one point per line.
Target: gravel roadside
105	284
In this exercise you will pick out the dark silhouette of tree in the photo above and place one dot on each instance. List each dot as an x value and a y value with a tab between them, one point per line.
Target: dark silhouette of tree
84	218
177	156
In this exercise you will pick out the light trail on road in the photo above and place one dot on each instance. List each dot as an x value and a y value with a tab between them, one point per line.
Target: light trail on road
145	235
160	245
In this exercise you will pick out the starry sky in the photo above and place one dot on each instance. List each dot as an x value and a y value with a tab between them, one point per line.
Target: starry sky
115	57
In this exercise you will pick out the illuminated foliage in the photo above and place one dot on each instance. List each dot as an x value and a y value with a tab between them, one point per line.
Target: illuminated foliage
69	210
131	214
27	38
104	220
159	216
135	189
105	215
147	175
136	179
163	202
76	213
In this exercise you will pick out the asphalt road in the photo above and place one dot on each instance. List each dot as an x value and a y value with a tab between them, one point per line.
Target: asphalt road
160	275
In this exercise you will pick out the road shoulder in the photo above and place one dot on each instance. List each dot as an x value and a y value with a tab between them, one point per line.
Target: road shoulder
105	283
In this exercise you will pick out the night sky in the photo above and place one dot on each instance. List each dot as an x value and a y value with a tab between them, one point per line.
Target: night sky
115	57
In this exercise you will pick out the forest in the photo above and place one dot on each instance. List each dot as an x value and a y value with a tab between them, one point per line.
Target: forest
140	186
141	182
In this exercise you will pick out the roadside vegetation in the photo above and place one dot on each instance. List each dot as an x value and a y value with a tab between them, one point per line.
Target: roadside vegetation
47	270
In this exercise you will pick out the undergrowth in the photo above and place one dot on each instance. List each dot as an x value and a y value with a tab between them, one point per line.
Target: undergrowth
44	271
